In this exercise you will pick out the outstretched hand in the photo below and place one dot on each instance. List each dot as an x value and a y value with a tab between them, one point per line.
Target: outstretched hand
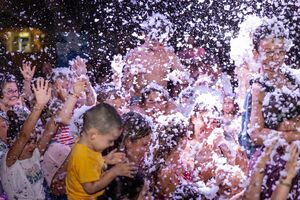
291	165
27	71
115	157
78	66
79	86
125	169
42	92
265	156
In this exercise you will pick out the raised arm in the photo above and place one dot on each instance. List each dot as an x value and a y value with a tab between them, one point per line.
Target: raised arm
28	72
50	129
283	188
254	188
65	114
90	94
42	94
257	124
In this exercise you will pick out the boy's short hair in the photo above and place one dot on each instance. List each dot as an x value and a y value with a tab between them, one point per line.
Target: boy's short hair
274	29
102	117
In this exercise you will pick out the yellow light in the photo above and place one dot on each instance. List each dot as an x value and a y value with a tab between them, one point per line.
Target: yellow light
24	34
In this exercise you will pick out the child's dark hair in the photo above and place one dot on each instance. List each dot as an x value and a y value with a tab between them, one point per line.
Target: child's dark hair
102	117
268	29
135	126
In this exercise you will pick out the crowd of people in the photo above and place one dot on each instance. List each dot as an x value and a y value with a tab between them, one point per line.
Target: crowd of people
165	125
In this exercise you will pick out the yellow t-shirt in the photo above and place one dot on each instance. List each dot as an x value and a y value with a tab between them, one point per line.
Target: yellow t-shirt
85	165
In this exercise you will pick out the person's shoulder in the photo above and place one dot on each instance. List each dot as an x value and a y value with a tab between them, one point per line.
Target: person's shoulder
77	150
136	52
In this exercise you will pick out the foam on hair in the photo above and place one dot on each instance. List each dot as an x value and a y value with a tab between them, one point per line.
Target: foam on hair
271	28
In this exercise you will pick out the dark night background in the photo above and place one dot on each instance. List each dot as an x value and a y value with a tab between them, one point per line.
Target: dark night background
106	27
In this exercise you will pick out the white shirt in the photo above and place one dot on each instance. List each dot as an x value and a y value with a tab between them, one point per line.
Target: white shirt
24	179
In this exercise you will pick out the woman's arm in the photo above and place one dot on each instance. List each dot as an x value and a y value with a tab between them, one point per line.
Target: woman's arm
283	188
290	125
42	94
254	188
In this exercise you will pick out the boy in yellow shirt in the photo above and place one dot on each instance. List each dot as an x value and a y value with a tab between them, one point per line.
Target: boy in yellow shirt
85	176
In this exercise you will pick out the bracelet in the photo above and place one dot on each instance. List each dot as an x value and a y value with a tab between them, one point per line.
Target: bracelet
285	184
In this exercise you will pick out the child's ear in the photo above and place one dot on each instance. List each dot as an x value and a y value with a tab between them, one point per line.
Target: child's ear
93	136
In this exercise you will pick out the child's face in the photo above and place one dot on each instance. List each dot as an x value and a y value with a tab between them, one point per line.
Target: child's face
155	103
228	105
100	141
29	147
206	119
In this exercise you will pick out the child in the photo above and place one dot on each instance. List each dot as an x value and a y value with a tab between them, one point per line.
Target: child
20	170
85	176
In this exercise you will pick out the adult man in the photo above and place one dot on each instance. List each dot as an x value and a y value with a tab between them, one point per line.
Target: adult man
153	60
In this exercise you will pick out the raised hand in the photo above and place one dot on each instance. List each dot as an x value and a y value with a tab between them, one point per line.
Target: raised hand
42	92
291	165
265	156
125	169
115	157
78	66
27	71
79	86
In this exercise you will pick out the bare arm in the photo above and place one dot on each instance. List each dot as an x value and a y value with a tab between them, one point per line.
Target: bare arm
290	125
254	188
42	94
50	129
122	169
258	130
283	188
65	114
28	72
90	95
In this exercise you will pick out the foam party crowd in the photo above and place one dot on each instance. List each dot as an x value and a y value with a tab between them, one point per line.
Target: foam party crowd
163	125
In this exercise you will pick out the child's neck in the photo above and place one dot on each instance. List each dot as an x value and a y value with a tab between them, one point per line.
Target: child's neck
84	141
228	116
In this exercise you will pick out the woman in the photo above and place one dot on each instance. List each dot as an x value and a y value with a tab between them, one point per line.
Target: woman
275	97
134	141
231	122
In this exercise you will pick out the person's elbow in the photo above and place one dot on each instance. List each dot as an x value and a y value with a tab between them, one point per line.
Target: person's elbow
257	136
89	188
